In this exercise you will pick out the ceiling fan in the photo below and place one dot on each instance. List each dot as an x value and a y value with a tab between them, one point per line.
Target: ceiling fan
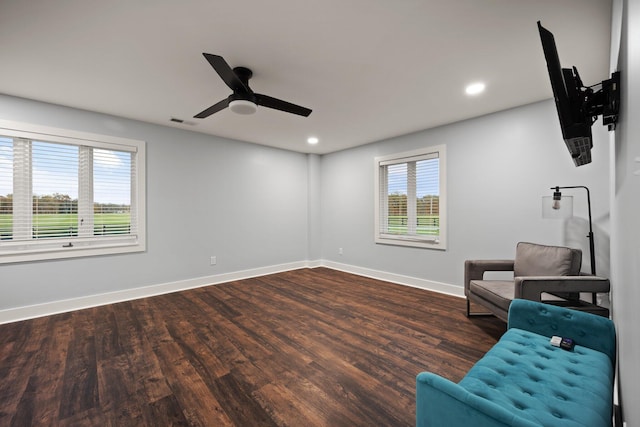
243	100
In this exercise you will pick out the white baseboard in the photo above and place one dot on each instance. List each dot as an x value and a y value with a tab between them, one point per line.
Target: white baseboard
63	306
429	285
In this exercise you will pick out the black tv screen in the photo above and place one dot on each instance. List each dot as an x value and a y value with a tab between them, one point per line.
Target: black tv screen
575	123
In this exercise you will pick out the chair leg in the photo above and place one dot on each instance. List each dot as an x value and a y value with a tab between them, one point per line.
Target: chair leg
470	314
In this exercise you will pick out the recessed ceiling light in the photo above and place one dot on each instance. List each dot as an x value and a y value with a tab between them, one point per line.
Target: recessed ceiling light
312	140
475	88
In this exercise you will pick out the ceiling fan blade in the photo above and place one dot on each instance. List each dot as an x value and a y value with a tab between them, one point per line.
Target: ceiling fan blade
226	73
213	109
278	104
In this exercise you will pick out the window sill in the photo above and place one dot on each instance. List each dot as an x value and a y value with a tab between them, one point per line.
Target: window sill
16	253
410	242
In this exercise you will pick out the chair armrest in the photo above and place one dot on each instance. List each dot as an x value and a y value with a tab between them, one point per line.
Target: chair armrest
475	269
440	402
531	287
586	329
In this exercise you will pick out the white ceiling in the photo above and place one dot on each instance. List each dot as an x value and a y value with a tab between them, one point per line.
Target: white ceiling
369	69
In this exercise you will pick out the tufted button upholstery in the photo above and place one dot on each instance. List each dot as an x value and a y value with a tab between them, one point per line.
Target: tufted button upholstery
547	320
549	386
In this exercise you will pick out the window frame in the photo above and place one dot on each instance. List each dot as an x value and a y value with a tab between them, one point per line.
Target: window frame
44	249
380	162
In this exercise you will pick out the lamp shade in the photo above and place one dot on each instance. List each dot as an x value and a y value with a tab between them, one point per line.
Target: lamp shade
552	208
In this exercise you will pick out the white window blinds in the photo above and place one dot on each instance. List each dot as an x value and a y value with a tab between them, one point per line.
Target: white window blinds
53	210
113	173
66	194
6	188
409	198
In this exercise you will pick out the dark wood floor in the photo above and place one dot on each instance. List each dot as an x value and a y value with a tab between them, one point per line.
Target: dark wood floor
312	347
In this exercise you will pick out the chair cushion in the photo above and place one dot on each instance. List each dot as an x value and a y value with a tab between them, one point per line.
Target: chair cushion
540	260
498	292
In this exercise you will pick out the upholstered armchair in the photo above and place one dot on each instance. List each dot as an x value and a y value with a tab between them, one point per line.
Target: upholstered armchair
549	274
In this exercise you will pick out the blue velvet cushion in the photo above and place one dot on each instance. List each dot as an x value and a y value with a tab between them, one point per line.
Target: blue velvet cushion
595	332
546	385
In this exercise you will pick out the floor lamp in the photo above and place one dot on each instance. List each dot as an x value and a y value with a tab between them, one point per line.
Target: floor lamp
553	207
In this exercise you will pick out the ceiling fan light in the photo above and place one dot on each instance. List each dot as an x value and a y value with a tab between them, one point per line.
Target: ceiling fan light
241	106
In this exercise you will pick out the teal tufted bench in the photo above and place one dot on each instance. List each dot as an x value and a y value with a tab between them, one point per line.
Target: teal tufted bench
525	381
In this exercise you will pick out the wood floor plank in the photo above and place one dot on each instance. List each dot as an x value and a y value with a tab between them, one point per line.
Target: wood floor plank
149	381
80	386
310	347
115	384
107	335
236	397
165	412
39	403
16	371
199	406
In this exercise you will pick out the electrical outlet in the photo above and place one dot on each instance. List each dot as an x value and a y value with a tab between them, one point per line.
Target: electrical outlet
340	251
213	260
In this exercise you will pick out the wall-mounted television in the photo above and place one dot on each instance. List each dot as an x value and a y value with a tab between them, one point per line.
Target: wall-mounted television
579	106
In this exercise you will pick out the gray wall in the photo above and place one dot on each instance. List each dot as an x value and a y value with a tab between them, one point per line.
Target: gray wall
498	168
244	203
314	220
625	207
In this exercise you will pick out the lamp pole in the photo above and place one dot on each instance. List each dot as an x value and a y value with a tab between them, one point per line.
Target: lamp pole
592	250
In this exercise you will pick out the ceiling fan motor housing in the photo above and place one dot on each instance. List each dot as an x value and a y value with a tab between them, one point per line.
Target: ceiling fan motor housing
244	74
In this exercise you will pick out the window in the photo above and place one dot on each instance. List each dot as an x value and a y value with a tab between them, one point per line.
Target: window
68	194
410	199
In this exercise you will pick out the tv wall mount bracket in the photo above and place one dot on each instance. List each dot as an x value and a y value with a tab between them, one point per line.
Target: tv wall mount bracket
600	99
